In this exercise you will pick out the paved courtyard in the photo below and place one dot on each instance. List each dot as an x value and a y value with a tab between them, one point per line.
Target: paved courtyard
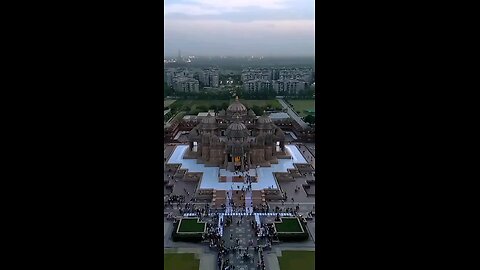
305	203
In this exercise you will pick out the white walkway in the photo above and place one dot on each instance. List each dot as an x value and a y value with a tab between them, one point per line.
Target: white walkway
220	221
248	202
210	177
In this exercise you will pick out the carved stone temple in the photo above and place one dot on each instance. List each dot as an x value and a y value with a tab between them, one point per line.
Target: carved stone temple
236	139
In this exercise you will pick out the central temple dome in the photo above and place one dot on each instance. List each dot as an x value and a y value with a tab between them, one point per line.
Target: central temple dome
237	107
237	129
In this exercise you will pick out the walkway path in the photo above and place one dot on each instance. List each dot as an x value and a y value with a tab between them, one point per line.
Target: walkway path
307	154
248	202
293	114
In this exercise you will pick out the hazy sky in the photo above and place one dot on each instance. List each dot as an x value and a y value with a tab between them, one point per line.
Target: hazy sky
240	27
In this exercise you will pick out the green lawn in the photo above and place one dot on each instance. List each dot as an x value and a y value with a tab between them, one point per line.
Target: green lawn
191	225
303	105
180	261
293	260
262	102
288	225
195	104
168	102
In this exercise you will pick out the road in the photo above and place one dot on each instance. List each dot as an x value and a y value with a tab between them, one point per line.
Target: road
292	113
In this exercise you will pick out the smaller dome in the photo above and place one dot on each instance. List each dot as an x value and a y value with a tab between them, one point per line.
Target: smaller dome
209	120
264	122
264	119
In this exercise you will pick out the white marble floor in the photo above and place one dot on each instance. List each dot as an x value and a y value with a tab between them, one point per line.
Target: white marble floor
210	177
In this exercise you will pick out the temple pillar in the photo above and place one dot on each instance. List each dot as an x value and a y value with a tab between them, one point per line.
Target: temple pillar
242	163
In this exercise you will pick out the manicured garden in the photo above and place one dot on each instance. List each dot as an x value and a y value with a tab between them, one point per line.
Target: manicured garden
180	261
293	260
305	106
189	230
291	230
191	225
289	225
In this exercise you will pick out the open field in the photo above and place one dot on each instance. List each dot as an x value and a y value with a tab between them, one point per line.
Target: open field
191	225
288	225
292	260
303	105
168	102
180	261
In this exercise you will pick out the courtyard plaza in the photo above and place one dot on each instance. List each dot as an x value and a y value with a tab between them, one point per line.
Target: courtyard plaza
240	246
302	204
211	175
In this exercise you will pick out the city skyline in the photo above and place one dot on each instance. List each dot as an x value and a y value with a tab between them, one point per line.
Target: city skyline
270	28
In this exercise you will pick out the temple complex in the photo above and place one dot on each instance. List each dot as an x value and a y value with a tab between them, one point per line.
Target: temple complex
237	157
236	140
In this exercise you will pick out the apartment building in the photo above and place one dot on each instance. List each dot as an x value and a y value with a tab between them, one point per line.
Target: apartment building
184	84
303	74
256	85
172	74
256	74
209	77
288	86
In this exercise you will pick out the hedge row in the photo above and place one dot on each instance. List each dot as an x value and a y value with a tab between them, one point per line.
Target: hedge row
185	237
294	237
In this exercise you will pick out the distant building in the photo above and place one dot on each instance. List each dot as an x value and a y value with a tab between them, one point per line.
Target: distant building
303	74
289	86
184	84
172	74
209	77
256	74
256	85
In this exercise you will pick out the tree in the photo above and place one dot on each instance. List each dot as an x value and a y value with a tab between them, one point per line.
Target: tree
257	110
186	108
310	119
202	108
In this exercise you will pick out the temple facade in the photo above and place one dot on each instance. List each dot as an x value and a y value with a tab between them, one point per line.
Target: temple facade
236	139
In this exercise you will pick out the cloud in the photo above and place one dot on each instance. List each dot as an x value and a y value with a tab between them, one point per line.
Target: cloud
215	37
202	27
215	7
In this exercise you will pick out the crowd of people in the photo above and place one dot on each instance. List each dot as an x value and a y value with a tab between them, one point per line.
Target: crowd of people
261	263
174	199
